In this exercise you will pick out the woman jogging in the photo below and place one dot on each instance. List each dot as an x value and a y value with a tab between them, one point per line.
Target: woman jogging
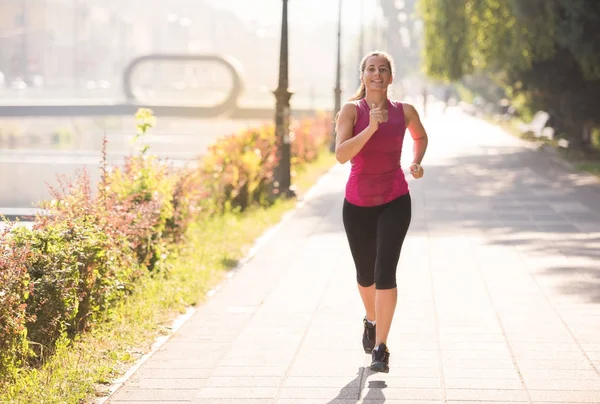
377	204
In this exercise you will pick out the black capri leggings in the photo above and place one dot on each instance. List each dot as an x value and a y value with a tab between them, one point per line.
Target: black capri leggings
375	235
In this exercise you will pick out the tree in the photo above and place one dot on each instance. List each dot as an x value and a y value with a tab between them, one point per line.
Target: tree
402	35
544	52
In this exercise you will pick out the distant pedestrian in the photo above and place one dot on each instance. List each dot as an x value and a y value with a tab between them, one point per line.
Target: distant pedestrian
377	205
447	96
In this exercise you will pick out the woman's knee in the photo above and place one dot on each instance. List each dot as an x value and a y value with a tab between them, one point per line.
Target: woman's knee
365	279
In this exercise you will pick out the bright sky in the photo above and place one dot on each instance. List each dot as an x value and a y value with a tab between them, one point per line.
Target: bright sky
268	12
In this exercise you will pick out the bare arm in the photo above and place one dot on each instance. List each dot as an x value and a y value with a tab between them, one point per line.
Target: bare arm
346	146
419	135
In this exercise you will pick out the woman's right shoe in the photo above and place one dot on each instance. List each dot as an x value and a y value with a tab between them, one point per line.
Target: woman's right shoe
368	336
380	359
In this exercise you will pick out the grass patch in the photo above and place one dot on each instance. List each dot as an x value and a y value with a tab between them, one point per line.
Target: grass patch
592	167
306	176
583	161
75	372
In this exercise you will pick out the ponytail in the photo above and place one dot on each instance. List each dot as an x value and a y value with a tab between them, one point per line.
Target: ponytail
360	93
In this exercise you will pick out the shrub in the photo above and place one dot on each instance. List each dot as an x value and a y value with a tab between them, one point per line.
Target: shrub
187	193
238	169
15	288
80	263
309	137
141	193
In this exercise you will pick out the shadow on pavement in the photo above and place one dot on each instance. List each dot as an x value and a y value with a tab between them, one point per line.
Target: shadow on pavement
585	285
539	208
375	392
348	393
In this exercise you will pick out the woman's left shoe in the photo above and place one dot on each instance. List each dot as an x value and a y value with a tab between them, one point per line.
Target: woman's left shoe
380	359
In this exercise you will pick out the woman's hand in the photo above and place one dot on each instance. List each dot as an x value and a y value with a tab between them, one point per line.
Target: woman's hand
416	170
376	116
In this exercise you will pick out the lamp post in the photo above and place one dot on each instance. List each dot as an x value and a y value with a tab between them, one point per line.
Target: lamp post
282	186
337	91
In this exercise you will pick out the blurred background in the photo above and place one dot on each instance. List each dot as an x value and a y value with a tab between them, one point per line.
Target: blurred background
61	49
60	55
63	85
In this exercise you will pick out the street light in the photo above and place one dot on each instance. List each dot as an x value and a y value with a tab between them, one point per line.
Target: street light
282	115
337	91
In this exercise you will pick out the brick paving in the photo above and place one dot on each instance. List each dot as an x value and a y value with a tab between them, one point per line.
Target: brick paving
499	294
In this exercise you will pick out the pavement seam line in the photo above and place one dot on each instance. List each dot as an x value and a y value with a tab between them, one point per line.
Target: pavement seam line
499	320
436	320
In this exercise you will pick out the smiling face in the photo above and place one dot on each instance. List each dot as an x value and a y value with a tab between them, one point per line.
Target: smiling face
377	73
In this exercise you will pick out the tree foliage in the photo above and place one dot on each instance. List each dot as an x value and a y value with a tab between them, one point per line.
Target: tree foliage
546	52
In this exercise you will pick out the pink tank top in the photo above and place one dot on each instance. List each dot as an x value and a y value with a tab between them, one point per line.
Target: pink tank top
376	176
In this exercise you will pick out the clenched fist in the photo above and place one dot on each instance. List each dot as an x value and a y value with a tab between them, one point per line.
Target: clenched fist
377	116
416	170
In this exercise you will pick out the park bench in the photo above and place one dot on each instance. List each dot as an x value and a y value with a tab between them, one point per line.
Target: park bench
537	126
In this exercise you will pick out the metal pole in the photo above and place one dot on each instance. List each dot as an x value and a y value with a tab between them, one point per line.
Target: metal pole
337	91
282	186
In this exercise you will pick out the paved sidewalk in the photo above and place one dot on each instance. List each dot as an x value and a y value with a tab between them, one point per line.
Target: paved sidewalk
499	294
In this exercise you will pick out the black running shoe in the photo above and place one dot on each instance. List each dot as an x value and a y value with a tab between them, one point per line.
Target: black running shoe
368	336
380	359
